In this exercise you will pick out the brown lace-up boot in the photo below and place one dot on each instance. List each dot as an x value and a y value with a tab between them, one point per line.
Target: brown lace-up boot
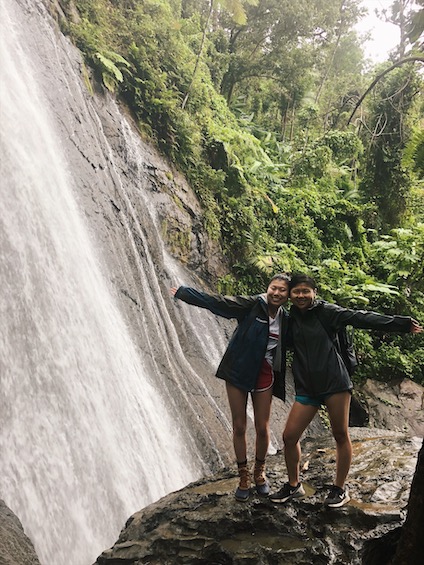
243	490
262	485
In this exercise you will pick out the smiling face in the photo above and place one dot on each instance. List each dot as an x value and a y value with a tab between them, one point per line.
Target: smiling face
277	294
302	295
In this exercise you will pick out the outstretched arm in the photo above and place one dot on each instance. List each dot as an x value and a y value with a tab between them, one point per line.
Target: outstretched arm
338	317
225	306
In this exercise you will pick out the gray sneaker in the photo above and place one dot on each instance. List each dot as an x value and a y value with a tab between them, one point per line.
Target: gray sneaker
337	497
287	492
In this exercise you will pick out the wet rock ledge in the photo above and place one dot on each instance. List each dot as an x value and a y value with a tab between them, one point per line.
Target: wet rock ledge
202	524
15	547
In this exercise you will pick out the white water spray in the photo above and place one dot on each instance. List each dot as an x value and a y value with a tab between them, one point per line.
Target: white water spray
85	438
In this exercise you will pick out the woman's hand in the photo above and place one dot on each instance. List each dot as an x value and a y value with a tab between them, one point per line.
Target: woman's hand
416	328
173	290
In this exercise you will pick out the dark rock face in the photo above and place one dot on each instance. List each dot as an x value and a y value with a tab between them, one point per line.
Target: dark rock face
15	547
410	548
396	406
203	524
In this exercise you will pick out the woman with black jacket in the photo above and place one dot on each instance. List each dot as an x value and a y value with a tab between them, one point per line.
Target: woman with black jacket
321	378
254	362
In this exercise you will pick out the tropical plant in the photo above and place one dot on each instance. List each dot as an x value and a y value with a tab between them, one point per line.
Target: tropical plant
254	112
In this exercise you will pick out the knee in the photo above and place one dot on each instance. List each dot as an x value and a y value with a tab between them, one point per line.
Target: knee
341	437
289	438
262	430
239	428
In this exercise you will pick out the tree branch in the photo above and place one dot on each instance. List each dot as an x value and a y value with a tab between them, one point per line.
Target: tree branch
419	58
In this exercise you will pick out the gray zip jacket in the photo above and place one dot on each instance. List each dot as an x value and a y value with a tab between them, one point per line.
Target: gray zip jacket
317	367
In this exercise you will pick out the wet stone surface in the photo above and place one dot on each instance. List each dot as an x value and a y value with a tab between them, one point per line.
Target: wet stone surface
203	524
15	546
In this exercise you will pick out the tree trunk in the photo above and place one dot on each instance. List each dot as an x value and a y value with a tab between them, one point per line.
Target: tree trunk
410	548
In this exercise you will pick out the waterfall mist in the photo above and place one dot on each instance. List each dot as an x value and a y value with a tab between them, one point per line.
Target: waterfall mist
107	394
87	433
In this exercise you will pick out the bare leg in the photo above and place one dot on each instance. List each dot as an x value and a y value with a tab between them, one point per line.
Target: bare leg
238	402
262	410
338	412
299	418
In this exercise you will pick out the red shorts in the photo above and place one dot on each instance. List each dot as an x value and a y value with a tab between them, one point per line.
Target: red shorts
266	377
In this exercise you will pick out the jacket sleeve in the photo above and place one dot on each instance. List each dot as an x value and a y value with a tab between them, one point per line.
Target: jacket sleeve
338	317
225	306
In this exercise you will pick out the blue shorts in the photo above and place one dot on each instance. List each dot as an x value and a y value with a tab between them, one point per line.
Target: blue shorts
312	400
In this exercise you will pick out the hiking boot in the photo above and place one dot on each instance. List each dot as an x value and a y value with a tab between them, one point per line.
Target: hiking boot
287	492
243	490
337	497
262	485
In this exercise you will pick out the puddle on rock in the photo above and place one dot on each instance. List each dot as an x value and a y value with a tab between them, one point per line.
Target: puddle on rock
375	507
309	490
224	486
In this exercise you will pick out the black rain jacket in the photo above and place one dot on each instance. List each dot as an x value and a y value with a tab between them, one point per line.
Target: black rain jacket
317	366
242	360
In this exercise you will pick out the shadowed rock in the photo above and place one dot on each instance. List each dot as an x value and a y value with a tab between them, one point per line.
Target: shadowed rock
15	547
410	548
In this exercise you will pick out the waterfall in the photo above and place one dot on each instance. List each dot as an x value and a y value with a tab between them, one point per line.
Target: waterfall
107	394
87	436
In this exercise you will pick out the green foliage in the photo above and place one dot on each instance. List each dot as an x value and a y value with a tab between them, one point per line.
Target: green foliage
415	25
249	99
413	156
386	180
345	146
109	63
393	360
313	162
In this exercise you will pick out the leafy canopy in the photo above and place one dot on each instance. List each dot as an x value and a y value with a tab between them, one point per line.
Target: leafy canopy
251	99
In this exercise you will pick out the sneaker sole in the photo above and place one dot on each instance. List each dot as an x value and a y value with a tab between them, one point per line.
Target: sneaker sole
339	504
282	500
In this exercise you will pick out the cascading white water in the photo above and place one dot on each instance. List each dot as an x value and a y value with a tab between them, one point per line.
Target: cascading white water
85	437
204	327
107	394
202	322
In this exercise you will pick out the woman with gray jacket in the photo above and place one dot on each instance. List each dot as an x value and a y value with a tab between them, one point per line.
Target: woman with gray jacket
321	378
